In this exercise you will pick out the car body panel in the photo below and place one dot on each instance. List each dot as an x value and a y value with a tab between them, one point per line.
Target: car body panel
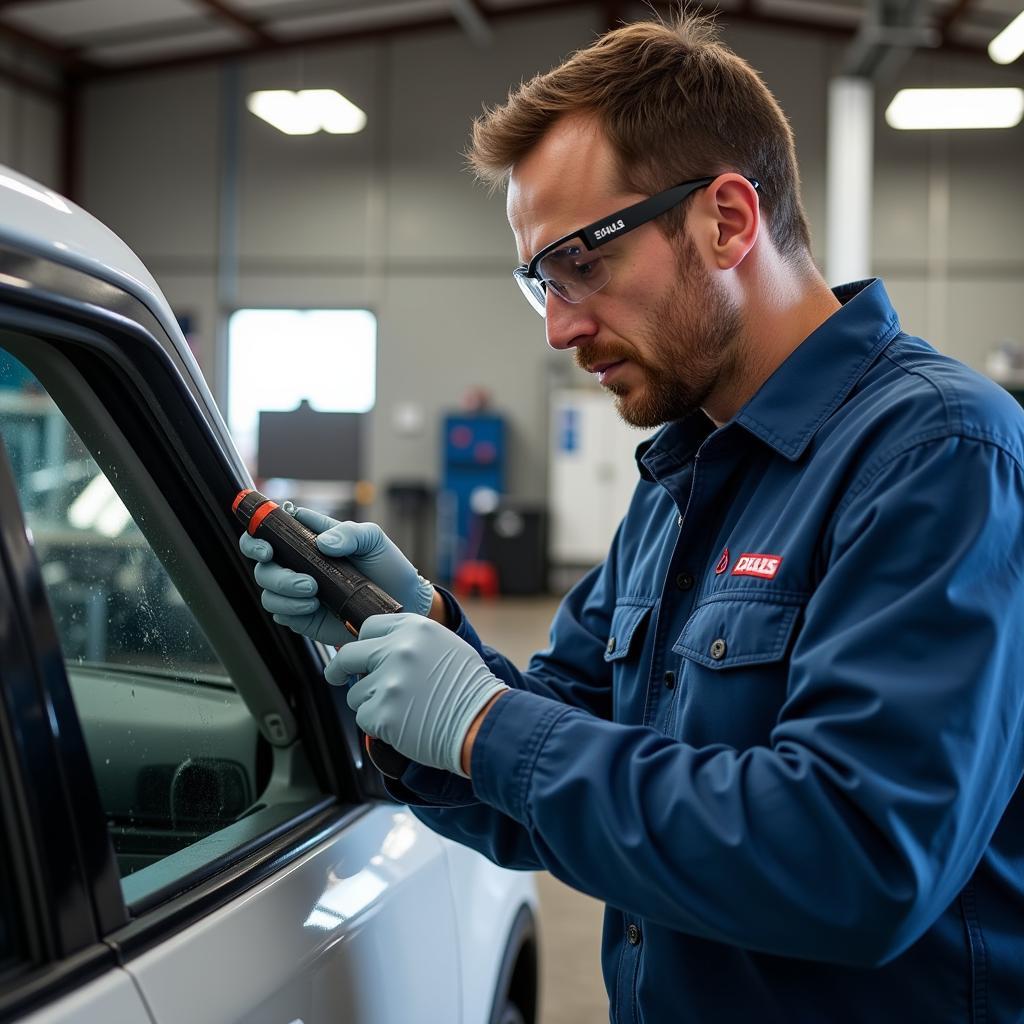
112	999
333	937
38	220
483	895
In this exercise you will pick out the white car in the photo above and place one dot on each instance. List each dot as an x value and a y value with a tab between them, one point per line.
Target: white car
190	831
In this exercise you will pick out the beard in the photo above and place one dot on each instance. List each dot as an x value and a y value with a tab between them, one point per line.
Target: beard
691	343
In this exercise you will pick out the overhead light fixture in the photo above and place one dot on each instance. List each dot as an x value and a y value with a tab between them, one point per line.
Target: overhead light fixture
338	116
955	108
1009	44
284	110
307	111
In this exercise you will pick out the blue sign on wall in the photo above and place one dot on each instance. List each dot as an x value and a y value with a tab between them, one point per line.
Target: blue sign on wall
568	430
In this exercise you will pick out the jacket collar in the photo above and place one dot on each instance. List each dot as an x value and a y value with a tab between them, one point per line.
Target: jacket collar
793	403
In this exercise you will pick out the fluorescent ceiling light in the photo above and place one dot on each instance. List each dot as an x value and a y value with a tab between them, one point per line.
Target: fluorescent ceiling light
956	108
338	115
285	111
1009	44
307	111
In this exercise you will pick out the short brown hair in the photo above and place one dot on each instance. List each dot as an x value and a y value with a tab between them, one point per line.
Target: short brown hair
675	103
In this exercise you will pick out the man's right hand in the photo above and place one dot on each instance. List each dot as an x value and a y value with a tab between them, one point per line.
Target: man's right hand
291	596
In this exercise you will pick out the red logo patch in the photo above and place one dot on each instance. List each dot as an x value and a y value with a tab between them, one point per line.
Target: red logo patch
723	563
763	566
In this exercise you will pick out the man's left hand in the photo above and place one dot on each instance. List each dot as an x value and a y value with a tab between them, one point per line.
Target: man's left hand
421	689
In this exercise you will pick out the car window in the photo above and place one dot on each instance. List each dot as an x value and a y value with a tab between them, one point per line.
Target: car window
112	599
176	753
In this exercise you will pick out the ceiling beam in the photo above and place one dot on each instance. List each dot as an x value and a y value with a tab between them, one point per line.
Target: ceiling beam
63	56
473	19
44	90
741	16
956	10
445	21
248	25
889	32
144	33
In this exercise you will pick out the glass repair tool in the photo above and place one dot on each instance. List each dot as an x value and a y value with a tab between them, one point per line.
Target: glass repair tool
344	591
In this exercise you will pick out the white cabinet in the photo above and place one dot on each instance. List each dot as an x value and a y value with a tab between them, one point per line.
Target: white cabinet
592	474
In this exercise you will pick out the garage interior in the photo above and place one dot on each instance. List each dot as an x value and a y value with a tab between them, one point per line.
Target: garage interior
373	263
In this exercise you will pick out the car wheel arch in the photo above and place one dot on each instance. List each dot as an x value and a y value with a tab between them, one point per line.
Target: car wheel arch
518	977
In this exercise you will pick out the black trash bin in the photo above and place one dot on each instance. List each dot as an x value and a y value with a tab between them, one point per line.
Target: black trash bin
514	540
411	511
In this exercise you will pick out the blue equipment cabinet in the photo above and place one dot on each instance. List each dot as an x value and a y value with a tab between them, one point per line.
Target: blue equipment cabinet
473	455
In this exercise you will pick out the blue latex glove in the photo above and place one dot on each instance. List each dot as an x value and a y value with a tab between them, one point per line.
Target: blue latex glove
290	596
422	687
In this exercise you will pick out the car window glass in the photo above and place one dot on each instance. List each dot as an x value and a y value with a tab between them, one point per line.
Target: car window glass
176	753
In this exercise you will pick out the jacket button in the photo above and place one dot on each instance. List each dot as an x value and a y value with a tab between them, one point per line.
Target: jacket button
611	645
670	679
633	935
718	649
685	581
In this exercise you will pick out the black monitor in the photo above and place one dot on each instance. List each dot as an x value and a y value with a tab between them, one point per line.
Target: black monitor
308	445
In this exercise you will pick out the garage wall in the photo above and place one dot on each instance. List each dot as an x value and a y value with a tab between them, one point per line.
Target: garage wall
29	122
388	220
949	219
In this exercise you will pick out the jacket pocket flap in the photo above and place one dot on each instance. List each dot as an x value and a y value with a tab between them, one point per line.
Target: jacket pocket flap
739	631
626	619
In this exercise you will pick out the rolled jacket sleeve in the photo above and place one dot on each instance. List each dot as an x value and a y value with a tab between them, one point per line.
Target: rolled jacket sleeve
570	672
894	755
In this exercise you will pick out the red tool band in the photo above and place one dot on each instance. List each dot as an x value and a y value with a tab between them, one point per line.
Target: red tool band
239	499
259	515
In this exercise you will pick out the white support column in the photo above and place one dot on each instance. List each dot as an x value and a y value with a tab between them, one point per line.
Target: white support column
850	155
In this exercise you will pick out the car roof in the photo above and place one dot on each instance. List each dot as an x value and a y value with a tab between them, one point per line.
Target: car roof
39	220
35	219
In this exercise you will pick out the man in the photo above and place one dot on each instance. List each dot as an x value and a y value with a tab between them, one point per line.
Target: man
779	730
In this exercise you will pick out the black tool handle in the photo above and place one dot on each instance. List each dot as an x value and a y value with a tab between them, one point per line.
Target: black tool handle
344	591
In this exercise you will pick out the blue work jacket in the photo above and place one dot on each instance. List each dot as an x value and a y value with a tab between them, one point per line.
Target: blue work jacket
780	730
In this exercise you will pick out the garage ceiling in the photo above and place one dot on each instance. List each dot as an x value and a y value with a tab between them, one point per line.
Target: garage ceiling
97	38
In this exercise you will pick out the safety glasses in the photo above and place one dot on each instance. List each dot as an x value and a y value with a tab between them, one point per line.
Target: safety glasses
570	267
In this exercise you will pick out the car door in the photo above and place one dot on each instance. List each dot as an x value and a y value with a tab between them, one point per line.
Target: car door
53	878
238	866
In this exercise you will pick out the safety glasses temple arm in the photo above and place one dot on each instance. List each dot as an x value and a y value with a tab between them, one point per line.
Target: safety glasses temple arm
604	230
607	228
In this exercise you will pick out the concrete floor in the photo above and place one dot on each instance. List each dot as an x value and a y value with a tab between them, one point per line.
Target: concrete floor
572	991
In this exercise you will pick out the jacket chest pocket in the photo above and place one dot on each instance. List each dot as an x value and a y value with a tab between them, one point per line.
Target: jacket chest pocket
624	651
735	668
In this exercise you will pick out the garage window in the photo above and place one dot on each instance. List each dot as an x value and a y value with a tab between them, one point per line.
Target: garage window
279	358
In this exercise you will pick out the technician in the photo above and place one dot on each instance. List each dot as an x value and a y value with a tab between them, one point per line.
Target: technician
779	730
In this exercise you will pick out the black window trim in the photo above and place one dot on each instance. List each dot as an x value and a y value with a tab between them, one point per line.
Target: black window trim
49	749
62	875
